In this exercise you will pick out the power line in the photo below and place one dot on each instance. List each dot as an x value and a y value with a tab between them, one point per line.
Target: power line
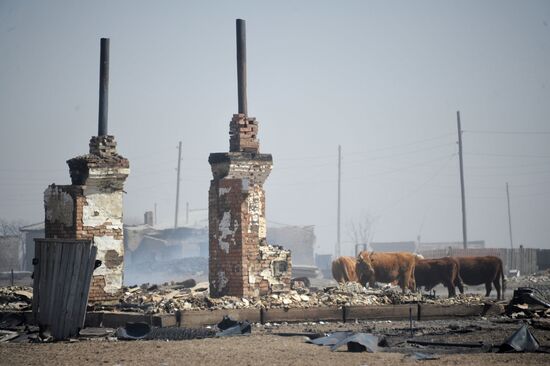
496	132
367	159
513	174
419	187
519	165
389	147
411	166
438	137
531	184
402	153
510	155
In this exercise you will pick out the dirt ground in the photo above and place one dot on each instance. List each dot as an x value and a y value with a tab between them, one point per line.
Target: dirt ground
267	346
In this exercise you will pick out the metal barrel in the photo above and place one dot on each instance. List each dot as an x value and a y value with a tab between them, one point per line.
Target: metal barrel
241	65
103	88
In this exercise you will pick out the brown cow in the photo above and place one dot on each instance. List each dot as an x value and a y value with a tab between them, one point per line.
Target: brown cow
431	272
343	269
386	267
483	270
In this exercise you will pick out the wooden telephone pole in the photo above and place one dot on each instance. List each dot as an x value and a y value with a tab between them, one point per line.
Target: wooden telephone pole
178	187
464	231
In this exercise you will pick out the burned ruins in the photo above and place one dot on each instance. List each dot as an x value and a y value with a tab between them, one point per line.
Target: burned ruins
241	262
397	298
91	207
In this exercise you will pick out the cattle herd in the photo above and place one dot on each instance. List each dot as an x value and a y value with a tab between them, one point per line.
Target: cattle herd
411	271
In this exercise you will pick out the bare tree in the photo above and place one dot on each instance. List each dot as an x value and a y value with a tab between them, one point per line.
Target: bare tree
361	231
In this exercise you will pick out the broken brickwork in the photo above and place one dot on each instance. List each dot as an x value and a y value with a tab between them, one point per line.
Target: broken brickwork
91	208
241	263
242	133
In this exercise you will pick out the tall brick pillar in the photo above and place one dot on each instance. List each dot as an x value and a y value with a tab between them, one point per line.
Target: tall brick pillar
241	263
91	208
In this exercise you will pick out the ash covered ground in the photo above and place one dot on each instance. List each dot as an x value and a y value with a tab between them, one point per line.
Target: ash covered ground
285	343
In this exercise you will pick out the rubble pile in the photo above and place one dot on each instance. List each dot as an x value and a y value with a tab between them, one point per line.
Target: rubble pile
458	299
528	302
541	278
167	299
15	298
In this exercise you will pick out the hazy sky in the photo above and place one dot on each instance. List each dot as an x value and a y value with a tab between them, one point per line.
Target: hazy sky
382	78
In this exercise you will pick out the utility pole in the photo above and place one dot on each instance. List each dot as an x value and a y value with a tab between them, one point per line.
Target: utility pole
338	249
155	213
513	264
464	232
509	216
178	187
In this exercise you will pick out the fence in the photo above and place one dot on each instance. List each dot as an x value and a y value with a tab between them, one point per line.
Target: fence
524	259
62	274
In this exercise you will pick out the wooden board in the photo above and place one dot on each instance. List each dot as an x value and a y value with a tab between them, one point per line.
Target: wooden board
381	312
302	315
200	318
64	270
436	311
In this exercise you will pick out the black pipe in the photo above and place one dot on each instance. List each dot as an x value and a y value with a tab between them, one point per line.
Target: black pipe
103	88
241	66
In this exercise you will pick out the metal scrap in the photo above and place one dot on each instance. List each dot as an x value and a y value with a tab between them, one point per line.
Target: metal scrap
355	341
522	340
230	327
143	331
420	356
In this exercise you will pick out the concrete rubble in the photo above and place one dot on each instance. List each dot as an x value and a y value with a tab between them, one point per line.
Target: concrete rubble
188	295
167	300
15	298
529	280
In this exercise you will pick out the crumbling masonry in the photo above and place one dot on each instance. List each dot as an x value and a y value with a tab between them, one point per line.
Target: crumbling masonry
241	262
91	208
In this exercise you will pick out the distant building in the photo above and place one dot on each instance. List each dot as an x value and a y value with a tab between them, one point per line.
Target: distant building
473	244
28	234
299	239
395	246
418	247
324	263
11	253
158	255
145	243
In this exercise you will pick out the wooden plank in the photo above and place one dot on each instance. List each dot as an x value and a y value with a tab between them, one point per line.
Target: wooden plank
312	314
56	300
73	290
115	320
199	318
42	284
381	312
90	266
436	311
62	283
36	283
93	319
164	320
77	311
492	309
46	289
